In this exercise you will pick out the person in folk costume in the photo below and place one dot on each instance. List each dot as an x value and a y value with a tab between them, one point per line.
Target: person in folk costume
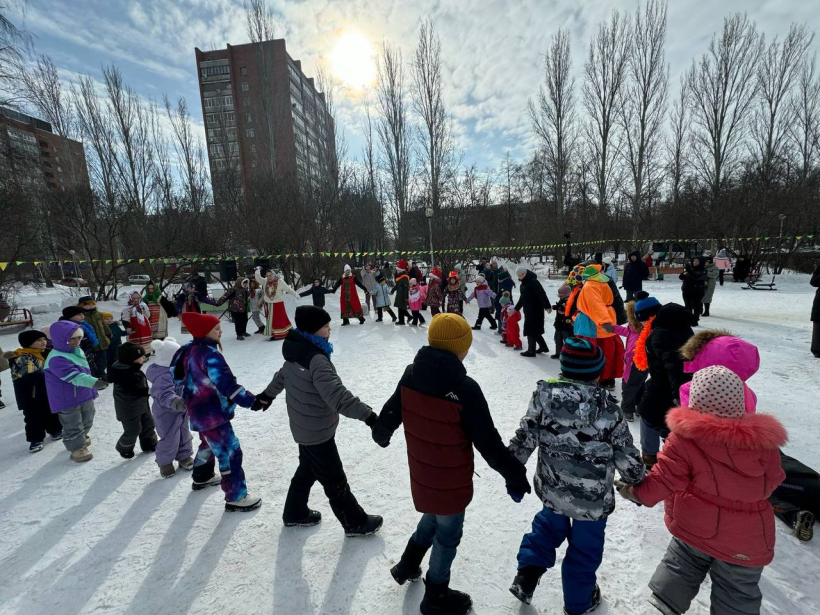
136	317
435	295
349	303
152	297
454	294
189	300
402	290
274	289
239	305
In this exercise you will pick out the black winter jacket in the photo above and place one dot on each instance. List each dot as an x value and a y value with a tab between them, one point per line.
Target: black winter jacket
318	294
670	331
694	280
635	273
533	301
131	391
617	303
815	307
562	321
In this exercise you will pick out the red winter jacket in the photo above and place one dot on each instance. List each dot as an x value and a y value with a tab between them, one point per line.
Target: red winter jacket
513	331
715	476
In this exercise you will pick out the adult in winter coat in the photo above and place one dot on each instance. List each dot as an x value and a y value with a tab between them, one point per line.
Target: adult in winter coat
815	313
596	320
444	415
317	293
796	501
533	301
189	300
369	274
741	269
349	303
258	305
712	274
723	263
658	351
402	291
315	397
435	294
381	299
485	298
274	289
169	413
103	332
131	401
694	287
152	297
239	305
635	272
716	472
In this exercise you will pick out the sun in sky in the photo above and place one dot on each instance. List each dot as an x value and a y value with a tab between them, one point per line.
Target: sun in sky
353	60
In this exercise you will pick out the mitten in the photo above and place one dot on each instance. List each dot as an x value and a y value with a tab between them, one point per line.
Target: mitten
100	385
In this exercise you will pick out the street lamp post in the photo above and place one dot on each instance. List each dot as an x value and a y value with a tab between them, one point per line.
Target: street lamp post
428	211
780	241
76	268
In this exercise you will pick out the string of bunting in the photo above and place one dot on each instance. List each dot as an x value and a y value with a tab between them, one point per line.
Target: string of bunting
174	260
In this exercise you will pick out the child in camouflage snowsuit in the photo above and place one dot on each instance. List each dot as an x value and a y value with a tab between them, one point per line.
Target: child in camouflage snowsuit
581	437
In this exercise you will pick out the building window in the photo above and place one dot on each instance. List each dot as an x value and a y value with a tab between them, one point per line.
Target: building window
248	118
245	86
246	102
249	132
210	71
243	70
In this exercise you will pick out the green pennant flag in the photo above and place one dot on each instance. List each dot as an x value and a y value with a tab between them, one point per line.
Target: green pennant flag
107	260
19	262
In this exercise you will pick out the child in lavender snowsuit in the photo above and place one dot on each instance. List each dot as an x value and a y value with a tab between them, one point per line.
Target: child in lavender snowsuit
71	387
211	394
484	295
169	411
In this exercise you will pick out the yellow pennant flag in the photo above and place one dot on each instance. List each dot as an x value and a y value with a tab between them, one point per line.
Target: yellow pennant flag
3	266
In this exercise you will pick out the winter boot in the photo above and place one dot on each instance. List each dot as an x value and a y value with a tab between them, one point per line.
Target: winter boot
659	604
361	320
379	319
441	600
35	447
804	526
371	525
186	464
126	454
57	436
528	353
705	309
477	327
596	602
80	455
555	356
409	566
260	331
314	517
629	416
649	460
493	327
248	503
345	322
167	470
215	480
525	582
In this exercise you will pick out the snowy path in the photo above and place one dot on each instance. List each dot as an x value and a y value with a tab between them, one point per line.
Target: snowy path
111	536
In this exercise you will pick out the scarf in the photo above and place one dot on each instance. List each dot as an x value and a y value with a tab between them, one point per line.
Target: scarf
639	358
270	287
32	351
320	342
481	287
414	293
152	297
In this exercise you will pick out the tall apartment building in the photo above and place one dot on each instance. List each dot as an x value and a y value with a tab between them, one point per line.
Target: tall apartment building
33	155
263	116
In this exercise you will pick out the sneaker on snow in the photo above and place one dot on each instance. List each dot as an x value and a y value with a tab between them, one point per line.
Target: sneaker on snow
186	464
314	517
409	566
215	480
248	503
804	526
80	455
167	470
525	582
659	604
57	436
596	602
371	525
441	600
35	447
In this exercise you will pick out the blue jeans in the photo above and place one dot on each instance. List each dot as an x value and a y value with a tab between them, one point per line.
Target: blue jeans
651	438
583	557
444	534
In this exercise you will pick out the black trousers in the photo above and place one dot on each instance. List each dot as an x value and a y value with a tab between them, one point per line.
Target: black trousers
799	491
321	462
140	427
694	305
485	313
815	339
559	338
632	390
240	322
418	318
630	295
404	314
537	341
386	309
40	421
721	275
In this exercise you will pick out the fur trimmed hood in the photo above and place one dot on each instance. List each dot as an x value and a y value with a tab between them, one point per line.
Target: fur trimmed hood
717	347
752	432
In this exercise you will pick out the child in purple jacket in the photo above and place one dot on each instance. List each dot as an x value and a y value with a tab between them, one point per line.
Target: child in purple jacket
71	387
484	296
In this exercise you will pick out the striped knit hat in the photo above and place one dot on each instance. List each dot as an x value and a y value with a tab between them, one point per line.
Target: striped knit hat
581	360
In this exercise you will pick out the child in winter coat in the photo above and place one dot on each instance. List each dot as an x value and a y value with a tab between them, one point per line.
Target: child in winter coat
582	438
381	299
315	397
317	293
484	295
634	379
504	300
415	298
131	401
96	321
76	314
454	294
401	290
715	473
563	323
117	335
29	380
71	387
513	333
169	411
211	394
435	296
444	415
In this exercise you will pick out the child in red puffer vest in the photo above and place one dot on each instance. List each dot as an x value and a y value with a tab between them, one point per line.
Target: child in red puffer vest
715	474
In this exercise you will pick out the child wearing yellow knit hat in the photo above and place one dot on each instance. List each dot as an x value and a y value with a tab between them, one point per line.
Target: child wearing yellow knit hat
444	415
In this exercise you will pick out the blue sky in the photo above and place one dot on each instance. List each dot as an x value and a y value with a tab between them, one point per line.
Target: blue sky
492	48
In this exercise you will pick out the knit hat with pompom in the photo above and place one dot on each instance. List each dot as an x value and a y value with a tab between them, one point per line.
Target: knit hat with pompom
165	350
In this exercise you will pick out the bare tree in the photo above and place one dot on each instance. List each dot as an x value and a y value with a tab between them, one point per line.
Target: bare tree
804	130
678	141
190	154
605	72
14	44
722	88
553	118
644	104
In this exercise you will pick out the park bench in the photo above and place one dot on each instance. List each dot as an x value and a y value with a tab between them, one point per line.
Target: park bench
18	317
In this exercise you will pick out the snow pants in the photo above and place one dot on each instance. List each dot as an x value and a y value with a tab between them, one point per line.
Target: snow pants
175	440
485	313
632	390
221	443
380	313
694	305
100	363
815	339
799	491
443	533
682	570
581	561
321	462
77	422
240	323
418	317
40	420
559	338
139	427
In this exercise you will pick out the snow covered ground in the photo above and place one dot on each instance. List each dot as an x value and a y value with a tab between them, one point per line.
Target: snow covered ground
111	536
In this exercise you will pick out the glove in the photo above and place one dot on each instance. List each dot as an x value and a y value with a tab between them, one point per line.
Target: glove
371	420
625	491
261	402
516	496
100	385
178	405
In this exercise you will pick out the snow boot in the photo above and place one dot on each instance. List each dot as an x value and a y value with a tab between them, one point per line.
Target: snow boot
246	504
596	602
314	517
126	454
57	436
555	356
525	582
167	470
649	460
35	447
371	525
706	309
528	353
215	480
629	416
409	566
361	320
240	338
186	464
493	327
804	526
441	600
659	604
260	331
380	320
476	327
81	454
345	322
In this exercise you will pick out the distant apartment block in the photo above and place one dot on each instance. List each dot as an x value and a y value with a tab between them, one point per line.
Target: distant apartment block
263	117
33	155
